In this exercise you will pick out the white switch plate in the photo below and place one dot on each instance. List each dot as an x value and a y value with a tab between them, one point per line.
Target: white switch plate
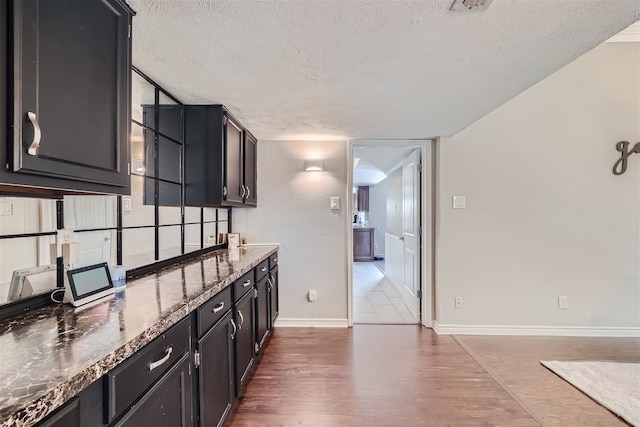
6	209
459	202
563	302
126	204
458	302
335	203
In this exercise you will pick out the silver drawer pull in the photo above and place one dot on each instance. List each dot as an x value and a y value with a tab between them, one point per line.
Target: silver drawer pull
241	320
275	259
248	192
247	283
154	365
242	191
218	307
235	329
37	134
269	283
263	269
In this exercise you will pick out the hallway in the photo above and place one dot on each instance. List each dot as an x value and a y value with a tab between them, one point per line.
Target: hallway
375	299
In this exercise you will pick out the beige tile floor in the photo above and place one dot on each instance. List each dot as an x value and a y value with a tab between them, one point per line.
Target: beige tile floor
375	299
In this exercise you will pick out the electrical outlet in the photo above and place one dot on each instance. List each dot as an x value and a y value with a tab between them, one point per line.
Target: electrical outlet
563	302
63	236
6	209
458	302
211	239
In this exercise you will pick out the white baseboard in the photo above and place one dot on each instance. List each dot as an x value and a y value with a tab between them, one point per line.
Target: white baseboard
311	323
561	331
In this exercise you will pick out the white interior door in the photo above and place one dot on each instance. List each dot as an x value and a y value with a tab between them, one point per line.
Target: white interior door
410	232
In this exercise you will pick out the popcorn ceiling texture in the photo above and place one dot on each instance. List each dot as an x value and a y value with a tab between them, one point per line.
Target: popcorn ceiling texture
363	69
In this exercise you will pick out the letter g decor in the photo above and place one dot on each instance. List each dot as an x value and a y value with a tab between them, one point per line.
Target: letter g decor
620	166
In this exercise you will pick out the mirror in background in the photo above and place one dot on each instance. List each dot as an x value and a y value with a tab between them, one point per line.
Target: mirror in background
26	267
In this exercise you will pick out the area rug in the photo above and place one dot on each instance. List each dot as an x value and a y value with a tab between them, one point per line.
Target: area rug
614	385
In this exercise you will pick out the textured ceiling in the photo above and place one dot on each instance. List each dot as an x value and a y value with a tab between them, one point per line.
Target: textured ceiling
363	69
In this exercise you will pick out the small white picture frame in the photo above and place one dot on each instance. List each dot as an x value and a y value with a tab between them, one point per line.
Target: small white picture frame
234	240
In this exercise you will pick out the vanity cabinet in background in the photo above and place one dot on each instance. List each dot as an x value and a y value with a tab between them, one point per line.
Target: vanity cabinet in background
69	94
220	159
363	244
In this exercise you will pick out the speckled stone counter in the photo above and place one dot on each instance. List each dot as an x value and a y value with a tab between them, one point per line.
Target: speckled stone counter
52	354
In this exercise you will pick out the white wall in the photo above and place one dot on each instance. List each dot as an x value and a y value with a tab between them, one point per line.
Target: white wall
545	215
378	214
293	210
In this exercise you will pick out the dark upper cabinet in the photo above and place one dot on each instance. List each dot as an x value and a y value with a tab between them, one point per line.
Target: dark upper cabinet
363	199
68	118
220	159
250	169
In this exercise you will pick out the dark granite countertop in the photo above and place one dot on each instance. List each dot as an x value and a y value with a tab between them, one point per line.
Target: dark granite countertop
51	354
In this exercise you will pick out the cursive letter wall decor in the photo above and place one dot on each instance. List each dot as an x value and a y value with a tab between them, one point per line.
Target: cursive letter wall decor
620	166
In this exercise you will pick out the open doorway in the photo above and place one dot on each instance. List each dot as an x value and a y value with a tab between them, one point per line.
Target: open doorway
390	256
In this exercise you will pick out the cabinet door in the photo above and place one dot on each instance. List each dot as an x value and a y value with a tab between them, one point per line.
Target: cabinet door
244	316
215	373
363	244
250	169
273	295
233	163
71	90
363	199
262	312
167	403
67	416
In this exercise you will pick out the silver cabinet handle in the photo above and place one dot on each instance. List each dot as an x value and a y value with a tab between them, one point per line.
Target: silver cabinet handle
248	192
247	283
224	191
37	134
241	319
235	329
263	269
269	283
275	259
242	190
218	307
154	365
273	280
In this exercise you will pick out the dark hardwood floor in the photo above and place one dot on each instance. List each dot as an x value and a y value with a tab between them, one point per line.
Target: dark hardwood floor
373	375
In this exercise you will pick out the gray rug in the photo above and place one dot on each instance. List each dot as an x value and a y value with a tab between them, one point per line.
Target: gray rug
614	385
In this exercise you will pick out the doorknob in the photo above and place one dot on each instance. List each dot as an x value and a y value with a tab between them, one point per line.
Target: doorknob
402	238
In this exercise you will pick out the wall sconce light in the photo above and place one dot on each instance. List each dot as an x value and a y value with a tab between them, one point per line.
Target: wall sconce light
313	165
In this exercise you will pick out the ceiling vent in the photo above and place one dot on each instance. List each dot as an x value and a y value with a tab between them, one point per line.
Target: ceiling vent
476	5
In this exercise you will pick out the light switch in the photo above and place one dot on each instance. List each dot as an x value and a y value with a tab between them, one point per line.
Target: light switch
335	203
459	202
6	209
126	204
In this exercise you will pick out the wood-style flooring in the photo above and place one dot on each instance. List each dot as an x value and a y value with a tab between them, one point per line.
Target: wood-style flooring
407	375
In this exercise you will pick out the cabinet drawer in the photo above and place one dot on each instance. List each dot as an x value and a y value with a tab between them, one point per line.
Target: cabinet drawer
273	261
126	383
262	269
213	310
242	285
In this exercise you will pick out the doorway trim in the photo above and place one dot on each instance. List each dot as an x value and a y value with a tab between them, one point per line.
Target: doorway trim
427	204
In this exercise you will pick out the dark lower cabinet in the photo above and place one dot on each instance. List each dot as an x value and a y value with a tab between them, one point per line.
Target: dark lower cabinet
168	403
263	322
274	306
215	372
245	343
66	416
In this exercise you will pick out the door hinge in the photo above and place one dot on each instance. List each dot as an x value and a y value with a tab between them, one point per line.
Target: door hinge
419	231
255	293
224	120
196	359
224	191
129	30
419	293
128	168
257	348
420	167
